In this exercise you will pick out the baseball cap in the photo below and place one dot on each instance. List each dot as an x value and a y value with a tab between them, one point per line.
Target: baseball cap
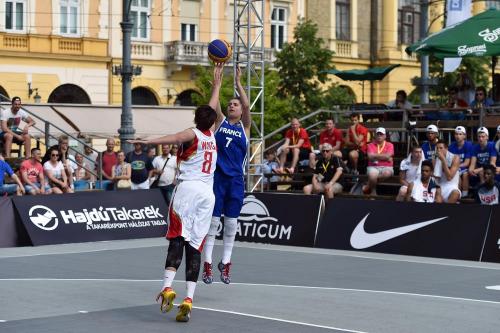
483	130
432	128
326	146
380	130
460	129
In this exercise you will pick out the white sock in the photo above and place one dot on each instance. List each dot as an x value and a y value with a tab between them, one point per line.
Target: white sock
208	247
168	278
190	287
228	243
465	193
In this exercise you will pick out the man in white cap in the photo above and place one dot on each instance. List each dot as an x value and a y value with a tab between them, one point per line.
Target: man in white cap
484	153
380	161
429	146
327	174
463	149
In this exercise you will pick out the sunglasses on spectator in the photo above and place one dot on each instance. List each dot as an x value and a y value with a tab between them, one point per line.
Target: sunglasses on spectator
479	94
54	155
325	150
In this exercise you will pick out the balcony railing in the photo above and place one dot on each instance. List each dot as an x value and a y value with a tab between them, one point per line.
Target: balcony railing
343	48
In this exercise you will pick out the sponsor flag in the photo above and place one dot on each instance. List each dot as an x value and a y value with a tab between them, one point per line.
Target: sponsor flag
457	11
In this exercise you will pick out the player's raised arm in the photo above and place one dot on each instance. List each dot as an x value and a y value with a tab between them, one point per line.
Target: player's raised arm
214	99
246	117
186	135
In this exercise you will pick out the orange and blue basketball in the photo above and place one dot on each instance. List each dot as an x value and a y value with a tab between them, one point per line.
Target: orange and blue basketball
219	50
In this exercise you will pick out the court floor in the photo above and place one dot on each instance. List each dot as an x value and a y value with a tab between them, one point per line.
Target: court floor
111	287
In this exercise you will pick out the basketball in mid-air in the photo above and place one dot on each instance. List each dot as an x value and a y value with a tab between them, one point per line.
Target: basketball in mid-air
219	50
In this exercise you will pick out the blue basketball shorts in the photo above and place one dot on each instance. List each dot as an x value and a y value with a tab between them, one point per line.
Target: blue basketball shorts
229	193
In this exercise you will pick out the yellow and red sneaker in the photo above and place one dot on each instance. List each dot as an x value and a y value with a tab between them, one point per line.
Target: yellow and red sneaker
185	310
167	296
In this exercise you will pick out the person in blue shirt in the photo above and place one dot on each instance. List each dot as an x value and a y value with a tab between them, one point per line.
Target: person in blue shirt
497	147
481	100
463	149
429	146
232	133
8	189
484	153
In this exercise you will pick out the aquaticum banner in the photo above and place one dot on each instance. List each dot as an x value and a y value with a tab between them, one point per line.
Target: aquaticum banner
92	216
275	218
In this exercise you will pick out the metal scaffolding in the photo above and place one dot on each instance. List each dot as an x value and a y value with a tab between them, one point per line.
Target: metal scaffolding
248	42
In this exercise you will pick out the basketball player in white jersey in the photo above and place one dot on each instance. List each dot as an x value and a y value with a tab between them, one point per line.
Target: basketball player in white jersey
193	201
446	172
424	189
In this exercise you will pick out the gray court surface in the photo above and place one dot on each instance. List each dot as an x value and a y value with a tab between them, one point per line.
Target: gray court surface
111	287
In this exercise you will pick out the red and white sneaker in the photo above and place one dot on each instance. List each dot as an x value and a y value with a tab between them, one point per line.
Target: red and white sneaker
225	276
207	276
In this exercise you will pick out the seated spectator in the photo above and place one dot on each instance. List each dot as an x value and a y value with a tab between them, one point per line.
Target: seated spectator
327	174
121	173
9	189
497	148
91	158
141	167
424	189
463	149
454	101
488	193
356	142
330	135
56	174
165	168
480	99
446	172
484	153
380	161
109	160
81	174
32	174
429	146
296	147
65	157
409	171
465	86
10	119
401	101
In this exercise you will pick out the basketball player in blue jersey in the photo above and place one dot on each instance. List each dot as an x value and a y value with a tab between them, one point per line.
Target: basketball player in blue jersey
232	133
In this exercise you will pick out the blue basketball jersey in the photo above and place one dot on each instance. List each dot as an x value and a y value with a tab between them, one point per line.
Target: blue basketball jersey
232	146
464	152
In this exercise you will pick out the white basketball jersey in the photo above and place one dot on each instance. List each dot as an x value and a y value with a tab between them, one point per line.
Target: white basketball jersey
197	161
422	193
438	172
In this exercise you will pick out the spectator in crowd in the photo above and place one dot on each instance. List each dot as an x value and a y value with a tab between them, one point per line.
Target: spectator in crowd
151	152
10	119
109	160
56	173
480	99
425	188
91	158
380	161
484	153
429	146
409	171
8	189
465	87
81	173
497	148
121	172
488	193
463	149
356	142
446	172
401	101
165	168
32	174
327	174
296	147
454	101
141	167
269	164
330	135
65	157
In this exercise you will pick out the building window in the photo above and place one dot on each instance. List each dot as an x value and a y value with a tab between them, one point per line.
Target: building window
69	17
139	14
278	27
408	22
188	32
15	15
343	19
493	4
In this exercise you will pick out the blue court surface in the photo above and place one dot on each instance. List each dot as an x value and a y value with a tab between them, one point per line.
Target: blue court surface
111	287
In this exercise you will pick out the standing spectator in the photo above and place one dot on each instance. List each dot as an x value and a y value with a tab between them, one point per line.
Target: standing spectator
429	146
497	148
484	153
356	142
109	159
480	99
296	147
488	193
463	149
121	172
32	174
446	172
165	167
141	167
424	189
327	174
330	135
409	171
56	173
81	173
380	161
10	119
91	158
152	152
269	165
6	189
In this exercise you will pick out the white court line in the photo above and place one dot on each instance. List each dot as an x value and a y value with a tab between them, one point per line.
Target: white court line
493	287
3	321
275	286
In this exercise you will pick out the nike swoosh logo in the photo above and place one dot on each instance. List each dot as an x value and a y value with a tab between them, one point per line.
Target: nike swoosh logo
360	239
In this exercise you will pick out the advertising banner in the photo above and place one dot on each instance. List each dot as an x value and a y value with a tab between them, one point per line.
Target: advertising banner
275	218
491	251
92	216
420	229
8	232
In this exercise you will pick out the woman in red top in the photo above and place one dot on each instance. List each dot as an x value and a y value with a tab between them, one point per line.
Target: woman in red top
297	147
